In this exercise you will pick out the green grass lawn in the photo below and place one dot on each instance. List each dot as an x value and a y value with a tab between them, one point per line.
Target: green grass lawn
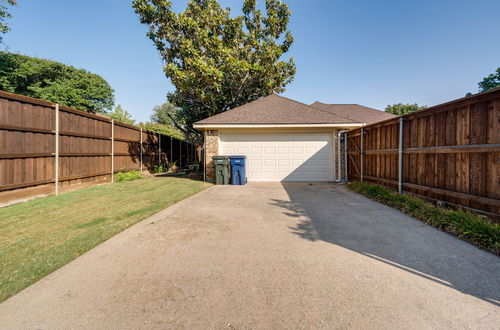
40	236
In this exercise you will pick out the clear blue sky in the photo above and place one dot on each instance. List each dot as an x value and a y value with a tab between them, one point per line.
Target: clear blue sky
368	52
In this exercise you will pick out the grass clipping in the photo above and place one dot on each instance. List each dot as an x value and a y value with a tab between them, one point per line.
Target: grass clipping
475	229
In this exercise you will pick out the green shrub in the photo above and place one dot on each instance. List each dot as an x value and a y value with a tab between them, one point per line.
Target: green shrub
128	176
159	168
473	228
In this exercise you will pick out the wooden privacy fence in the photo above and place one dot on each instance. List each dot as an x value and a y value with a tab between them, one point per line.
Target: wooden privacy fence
45	147
449	152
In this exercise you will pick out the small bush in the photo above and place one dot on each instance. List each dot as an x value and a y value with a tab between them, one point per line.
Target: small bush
159	168
128	176
475	229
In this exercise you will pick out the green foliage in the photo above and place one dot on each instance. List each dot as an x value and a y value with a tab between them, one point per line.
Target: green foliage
163	129
162	114
490	82
4	15
159	168
400	109
55	82
478	230
217	62
128	176
121	115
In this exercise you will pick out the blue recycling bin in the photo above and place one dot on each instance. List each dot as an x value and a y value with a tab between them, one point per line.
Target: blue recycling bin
238	171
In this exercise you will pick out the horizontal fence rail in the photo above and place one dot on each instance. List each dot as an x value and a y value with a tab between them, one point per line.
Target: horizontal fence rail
45	147
449	153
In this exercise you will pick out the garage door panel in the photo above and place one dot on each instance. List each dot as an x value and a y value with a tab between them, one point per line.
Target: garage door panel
230	150
310	150
282	157
254	162
269	150
242	151
284	150
269	175
284	162
296	161
269	162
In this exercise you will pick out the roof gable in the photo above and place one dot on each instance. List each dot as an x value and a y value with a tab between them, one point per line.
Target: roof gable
275	109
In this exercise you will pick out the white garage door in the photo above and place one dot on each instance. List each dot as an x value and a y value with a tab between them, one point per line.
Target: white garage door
282	157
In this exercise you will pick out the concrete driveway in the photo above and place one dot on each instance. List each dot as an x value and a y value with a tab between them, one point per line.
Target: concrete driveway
269	256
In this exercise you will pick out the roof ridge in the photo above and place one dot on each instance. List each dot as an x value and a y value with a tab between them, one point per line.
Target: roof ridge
310	106
289	99
356	104
342	104
334	114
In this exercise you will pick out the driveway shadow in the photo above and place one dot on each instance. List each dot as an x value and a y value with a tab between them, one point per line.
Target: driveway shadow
333	214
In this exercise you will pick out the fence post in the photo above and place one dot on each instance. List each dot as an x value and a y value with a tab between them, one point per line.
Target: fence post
400	167
159	148
56	152
112	150
180	154
362	155
141	149
171	151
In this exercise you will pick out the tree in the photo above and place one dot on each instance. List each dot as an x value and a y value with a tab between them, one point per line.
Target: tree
217	62
490	82
4	15
121	115
164	114
163	129
402	109
55	82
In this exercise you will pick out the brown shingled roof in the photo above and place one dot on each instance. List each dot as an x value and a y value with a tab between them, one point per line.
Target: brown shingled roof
275	109
354	112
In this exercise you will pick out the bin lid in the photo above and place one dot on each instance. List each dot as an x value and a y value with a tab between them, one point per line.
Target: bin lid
219	157
236	157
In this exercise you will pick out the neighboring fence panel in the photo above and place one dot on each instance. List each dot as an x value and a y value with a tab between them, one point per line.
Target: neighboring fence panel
451	152
27	148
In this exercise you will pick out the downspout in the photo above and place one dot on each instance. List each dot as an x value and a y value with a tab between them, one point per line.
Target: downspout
339	162
204	157
346	160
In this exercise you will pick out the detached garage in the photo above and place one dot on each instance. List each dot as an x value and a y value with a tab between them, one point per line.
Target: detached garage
284	140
